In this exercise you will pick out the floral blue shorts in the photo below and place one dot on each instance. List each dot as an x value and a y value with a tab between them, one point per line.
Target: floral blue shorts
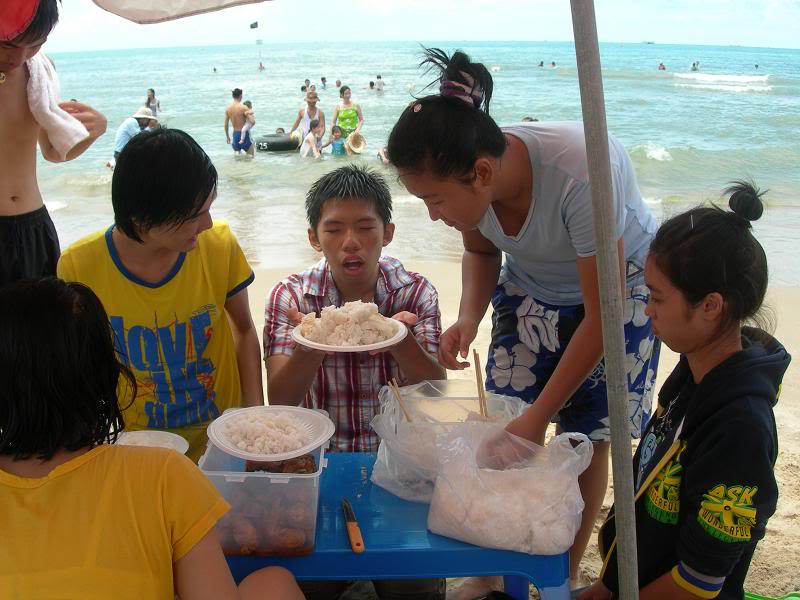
528	339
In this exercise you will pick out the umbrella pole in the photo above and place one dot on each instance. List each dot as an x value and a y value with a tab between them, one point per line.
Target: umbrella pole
596	132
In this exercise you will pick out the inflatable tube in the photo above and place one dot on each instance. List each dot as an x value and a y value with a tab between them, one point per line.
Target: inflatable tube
276	143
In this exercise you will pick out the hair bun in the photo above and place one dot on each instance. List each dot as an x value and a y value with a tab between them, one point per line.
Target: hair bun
745	200
460	78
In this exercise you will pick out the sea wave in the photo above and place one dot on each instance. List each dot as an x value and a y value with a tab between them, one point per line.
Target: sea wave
100	177
722	78
405	199
725	88
54	205
652	151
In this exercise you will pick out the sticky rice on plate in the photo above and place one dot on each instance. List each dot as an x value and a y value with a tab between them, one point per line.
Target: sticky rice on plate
262	433
354	324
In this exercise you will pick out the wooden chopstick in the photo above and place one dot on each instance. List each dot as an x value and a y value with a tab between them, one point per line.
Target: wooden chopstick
399	397
479	380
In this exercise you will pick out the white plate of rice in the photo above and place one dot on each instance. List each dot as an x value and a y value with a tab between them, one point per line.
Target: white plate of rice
354	327
154	439
270	433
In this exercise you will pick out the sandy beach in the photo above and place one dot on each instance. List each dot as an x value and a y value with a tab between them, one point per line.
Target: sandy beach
774	571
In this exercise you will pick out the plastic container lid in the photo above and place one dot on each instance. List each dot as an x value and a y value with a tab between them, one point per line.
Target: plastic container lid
154	439
318	429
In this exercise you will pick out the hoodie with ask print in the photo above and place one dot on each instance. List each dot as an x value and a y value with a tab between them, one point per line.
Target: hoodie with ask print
704	473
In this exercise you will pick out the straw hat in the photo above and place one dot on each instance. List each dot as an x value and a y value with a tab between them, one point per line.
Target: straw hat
357	142
144	113
296	136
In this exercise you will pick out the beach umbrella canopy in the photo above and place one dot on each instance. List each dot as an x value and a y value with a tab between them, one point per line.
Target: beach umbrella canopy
158	11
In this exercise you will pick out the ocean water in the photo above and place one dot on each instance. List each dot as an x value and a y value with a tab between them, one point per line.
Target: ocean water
688	133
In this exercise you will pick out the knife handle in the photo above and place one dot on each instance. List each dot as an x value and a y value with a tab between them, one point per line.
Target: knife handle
356	541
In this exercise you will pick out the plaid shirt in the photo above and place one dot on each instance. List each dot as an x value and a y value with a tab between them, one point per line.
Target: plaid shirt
347	384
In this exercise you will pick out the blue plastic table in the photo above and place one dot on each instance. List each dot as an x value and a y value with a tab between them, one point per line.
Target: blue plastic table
398	544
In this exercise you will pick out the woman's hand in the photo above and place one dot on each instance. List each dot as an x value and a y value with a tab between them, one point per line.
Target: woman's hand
500	451
531	425
596	591
455	341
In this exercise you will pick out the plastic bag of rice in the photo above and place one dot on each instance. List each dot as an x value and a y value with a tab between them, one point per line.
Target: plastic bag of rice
354	324
265	433
528	500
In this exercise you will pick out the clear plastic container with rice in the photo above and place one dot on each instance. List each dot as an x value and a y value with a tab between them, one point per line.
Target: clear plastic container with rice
266	461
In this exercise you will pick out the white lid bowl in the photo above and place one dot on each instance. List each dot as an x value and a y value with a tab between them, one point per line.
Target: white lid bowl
317	427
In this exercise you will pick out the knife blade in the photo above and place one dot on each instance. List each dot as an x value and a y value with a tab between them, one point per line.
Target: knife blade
353	530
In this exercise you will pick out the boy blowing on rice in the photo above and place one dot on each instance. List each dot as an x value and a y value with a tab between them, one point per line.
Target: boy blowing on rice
349	213
28	240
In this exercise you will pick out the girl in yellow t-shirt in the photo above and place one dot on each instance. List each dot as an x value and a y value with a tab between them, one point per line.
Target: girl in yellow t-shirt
83	519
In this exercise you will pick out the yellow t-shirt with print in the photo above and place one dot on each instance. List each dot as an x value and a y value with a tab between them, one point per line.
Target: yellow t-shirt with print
107	524
173	334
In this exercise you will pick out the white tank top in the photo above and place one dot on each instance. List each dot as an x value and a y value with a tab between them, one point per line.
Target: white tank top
305	122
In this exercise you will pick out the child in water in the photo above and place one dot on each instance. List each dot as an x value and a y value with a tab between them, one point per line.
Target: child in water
339	146
249	118
312	142
704	479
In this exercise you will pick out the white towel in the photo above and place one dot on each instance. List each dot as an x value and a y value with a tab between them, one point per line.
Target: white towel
44	93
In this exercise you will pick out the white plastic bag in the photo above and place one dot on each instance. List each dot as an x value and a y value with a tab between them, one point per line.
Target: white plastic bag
408	458
532	505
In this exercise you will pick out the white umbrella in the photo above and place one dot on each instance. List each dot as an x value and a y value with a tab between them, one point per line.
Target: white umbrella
158	11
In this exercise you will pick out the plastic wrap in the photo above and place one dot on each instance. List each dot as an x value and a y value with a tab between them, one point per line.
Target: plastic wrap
408	457
500	491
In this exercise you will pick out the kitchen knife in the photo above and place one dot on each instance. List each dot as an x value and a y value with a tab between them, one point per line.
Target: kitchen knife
353	531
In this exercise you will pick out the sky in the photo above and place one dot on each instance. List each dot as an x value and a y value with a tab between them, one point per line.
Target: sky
763	23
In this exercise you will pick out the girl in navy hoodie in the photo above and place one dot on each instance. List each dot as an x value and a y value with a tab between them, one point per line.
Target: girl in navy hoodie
703	472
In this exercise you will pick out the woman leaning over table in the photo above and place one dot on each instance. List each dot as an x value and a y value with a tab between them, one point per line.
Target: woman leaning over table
521	192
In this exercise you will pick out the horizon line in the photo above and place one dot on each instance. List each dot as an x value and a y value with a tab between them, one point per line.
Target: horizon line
356	42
